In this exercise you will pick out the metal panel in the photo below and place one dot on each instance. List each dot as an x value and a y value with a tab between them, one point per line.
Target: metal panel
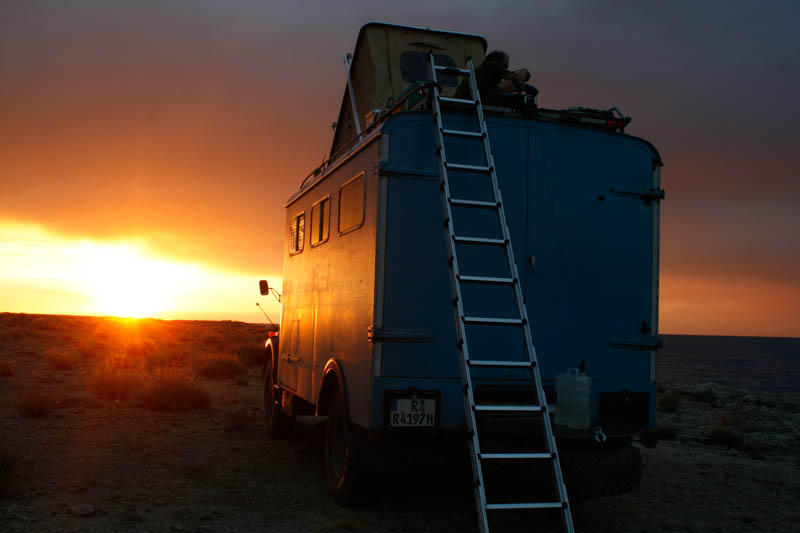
593	250
328	298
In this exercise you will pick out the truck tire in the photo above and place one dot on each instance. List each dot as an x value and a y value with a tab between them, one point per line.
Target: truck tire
348	482
601	472
277	424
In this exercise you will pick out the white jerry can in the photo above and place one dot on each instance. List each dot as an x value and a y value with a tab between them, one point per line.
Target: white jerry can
573	390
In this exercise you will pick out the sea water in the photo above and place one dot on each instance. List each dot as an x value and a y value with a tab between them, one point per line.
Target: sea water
755	363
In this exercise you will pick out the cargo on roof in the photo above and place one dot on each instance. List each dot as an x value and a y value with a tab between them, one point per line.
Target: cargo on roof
388	59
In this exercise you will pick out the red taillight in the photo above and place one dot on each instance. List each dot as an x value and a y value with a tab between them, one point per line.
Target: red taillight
272	334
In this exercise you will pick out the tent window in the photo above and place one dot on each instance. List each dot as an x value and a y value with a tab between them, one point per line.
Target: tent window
321	221
351	204
297	233
414	68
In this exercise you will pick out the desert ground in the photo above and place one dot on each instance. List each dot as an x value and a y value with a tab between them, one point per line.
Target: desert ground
147	425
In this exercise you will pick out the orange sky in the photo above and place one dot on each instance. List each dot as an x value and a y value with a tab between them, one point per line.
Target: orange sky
171	135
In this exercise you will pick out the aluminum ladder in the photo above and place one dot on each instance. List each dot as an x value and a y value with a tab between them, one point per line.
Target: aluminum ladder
475	411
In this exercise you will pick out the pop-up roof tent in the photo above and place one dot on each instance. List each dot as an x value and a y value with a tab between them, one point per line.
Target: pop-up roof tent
388	59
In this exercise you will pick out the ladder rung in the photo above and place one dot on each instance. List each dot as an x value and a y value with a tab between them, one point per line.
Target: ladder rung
451	69
451	100
532	505
462	133
490	320
474	203
484	279
506	408
467	168
490	456
500	364
478	240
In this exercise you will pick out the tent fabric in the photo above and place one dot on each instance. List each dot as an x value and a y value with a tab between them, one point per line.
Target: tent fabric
377	73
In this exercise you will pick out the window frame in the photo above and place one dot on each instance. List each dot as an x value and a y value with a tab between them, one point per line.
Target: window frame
412	60
302	242
360	175
311	242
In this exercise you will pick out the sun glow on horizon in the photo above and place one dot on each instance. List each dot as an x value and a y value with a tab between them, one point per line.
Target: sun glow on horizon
121	281
44	273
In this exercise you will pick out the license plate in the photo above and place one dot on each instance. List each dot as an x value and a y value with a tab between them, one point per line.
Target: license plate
413	412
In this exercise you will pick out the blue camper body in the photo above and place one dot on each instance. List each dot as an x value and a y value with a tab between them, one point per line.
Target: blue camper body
367	320
377	298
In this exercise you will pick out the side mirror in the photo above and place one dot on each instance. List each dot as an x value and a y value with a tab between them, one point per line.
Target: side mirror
264	287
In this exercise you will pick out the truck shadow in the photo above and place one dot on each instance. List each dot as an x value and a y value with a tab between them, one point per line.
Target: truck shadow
424	490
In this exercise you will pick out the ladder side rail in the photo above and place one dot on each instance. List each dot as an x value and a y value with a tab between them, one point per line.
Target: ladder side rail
522	308
458	312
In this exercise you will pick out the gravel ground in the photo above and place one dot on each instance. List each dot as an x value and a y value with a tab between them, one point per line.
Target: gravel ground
104	465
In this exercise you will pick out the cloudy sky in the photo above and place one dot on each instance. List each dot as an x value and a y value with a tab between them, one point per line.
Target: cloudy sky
165	136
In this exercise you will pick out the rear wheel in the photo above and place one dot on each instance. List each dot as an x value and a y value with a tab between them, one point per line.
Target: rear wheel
277	423
349	483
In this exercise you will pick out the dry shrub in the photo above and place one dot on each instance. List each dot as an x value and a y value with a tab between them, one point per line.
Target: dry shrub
162	360
745	422
220	366
250	353
726	437
112	383
7	370
60	360
340	525
87	351
35	403
120	361
174	391
670	401
764	402
237	419
141	349
15	333
667	432
7	464
707	395
213	341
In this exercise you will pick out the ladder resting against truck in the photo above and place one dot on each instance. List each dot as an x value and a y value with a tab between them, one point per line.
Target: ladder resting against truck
539	228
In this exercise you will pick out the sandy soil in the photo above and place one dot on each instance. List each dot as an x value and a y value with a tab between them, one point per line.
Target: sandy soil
106	465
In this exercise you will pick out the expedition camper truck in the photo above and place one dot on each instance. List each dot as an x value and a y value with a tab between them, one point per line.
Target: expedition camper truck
367	330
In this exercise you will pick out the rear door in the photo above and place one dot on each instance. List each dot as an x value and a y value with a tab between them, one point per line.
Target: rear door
591	241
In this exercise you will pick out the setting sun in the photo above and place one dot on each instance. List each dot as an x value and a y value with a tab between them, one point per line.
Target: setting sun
122	282
42	272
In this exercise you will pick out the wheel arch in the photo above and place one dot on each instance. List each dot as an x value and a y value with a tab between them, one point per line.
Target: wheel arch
331	385
270	353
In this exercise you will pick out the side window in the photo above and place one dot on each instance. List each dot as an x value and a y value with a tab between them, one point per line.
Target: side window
414	67
351	203
321	221
297	233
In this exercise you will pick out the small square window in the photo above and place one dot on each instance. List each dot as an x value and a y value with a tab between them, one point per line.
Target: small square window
321	221
351	203
297	233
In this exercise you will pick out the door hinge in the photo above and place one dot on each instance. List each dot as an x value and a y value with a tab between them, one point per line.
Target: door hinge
645	194
645	342
398	335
